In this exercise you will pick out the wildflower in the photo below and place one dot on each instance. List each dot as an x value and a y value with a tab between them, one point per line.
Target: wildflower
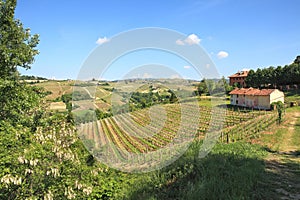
87	190
48	196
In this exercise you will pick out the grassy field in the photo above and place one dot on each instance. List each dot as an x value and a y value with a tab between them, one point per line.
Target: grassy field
282	164
229	172
57	88
266	170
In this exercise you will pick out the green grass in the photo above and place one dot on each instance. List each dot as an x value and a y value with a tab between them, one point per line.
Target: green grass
296	136
229	172
272	141
293	109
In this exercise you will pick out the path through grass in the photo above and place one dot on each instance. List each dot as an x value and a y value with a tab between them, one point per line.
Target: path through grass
282	165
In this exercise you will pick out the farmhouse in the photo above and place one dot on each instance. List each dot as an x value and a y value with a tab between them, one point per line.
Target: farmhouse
238	78
255	98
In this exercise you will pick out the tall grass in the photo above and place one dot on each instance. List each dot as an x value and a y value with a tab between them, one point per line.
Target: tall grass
229	172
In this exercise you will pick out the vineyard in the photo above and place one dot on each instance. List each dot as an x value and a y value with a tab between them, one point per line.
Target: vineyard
144	131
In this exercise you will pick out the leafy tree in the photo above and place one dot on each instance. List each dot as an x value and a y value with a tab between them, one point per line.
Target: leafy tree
280	108
251	79
41	156
19	103
202	87
259	77
273	77
223	86
278	76
173	97
297	60
17	45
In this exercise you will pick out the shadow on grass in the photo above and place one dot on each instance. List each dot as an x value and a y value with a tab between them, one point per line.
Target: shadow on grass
233	171
291	154
282	178
229	172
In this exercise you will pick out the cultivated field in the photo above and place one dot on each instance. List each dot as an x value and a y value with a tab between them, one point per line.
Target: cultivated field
141	132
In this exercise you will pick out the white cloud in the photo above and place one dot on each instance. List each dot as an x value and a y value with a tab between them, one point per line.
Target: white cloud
222	54
190	40
102	40
186	67
179	42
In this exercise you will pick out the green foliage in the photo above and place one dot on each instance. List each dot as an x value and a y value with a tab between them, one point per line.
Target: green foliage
83	116
202	88
217	176
20	103
139	100
27	77
101	115
43	163
80	95
275	77
17	45
213	87
280	109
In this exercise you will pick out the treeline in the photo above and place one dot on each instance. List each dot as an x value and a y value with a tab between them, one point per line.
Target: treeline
272	77
138	100
213	87
27	77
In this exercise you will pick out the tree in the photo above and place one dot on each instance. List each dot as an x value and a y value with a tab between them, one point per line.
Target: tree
17	49
173	97
297	60
270	76
202	88
17	45
259	77
250	80
223	86
280	108
278	76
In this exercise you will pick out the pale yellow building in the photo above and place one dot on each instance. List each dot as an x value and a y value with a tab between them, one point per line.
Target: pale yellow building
255	98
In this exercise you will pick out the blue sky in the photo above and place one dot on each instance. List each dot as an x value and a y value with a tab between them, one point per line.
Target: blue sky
257	33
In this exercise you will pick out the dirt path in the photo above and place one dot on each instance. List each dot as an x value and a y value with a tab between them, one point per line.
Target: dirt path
61	89
88	93
287	145
283	166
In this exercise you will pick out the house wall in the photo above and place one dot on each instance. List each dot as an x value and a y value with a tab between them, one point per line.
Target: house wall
277	96
259	102
239	80
251	101
233	99
238	100
264	102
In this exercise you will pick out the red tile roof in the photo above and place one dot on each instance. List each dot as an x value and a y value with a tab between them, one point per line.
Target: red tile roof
252	91
239	74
